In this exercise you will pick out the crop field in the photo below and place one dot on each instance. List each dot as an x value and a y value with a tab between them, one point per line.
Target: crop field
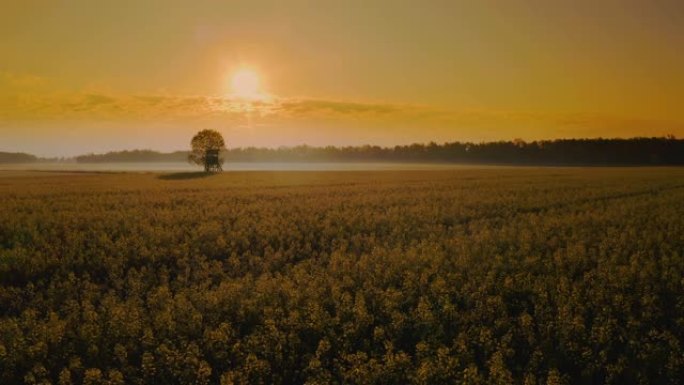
465	276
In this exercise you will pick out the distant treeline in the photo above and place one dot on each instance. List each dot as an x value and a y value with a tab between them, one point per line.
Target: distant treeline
16	157
134	156
634	151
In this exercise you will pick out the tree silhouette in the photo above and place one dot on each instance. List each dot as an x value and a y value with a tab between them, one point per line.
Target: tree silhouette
655	151
206	150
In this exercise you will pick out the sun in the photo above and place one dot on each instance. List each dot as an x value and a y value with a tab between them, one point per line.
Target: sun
245	84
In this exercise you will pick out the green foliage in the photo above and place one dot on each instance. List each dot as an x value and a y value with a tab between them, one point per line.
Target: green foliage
468	276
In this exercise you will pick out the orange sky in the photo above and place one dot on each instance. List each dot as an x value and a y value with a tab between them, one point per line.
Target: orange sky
83	76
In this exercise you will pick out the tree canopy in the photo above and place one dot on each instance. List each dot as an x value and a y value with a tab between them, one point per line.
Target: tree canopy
206	147
564	152
16	157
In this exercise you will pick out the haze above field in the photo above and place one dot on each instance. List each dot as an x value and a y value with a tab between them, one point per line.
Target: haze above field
83	76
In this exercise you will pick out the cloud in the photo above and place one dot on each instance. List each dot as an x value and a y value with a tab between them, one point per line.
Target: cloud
94	106
309	106
89	102
182	109
21	80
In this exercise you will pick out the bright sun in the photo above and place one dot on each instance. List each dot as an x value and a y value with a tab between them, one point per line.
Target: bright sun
245	84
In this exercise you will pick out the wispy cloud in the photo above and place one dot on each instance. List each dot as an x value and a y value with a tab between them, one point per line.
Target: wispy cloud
312	106
21	80
183	108
93	106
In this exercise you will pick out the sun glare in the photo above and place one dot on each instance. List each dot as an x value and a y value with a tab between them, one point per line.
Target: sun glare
245	84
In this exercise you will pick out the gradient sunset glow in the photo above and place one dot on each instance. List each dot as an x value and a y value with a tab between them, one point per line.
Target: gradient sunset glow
83	76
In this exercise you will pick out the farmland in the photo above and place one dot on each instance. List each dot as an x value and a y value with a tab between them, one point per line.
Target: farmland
474	276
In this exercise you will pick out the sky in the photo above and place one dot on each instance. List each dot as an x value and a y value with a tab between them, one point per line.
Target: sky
81	76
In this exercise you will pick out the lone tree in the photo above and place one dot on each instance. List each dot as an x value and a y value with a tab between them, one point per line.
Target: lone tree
206	150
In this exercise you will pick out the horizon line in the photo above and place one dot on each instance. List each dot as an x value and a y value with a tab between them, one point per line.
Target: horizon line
283	147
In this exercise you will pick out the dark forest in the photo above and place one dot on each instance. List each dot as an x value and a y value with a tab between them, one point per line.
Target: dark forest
635	151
